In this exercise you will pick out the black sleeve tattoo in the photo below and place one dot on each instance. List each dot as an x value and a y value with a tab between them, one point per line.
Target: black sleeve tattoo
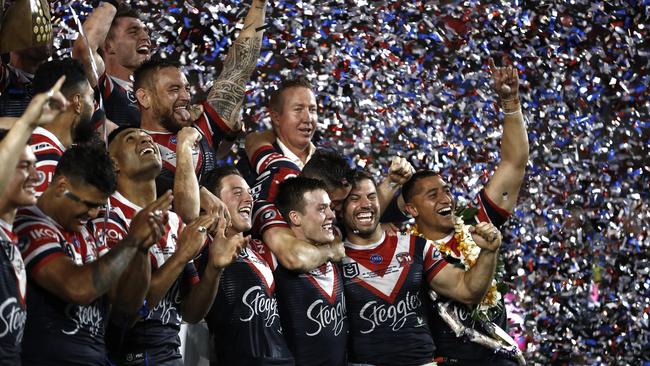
107	270
227	93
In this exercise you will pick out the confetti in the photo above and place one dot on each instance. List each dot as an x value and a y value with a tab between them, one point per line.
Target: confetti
410	77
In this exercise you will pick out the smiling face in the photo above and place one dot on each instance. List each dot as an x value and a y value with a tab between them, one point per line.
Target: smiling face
77	203
432	205
128	43
235	194
20	189
361	210
295	123
170	99
135	154
315	222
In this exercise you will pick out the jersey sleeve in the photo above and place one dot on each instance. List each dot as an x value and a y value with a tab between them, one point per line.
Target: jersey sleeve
47	158
212	125
266	216
488	211
433	260
272	169
42	245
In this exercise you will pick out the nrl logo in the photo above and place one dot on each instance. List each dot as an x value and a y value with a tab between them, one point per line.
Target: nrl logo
350	270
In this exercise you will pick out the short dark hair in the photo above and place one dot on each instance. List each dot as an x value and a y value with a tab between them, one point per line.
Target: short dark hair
275	100
361	175
49	72
330	167
123	11
117	131
409	188
88	163
212	180
145	73
291	194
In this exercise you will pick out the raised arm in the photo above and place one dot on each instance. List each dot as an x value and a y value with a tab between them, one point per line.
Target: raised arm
298	255
83	284
470	286
400	172
503	186
222	251
227	93
186	184
96	29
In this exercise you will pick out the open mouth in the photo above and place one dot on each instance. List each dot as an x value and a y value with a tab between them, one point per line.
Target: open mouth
329	227
143	50
446	211
147	150
365	217
306	131
182	112
245	211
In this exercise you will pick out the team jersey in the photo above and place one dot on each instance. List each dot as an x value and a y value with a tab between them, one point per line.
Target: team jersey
244	318
313	313
447	344
213	129
58	332
386	287
15	91
48	150
120	104
272	168
155	338
13	285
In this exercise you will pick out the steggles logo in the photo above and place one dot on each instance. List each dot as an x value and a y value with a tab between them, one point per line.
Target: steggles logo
395	315
260	305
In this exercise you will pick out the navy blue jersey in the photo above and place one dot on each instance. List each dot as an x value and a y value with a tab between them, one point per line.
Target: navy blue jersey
153	339
244	318
120	104
213	129
313	313
58	332
15	91
272	168
13	285
386	286
447	344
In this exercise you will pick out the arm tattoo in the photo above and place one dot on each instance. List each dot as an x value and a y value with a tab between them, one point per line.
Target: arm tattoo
108	269
227	93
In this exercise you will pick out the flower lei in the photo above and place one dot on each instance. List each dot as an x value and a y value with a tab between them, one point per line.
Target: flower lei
464	257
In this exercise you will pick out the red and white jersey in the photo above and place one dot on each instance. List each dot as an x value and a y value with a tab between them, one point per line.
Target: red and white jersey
119	220
158	332
272	168
386	286
48	150
58	331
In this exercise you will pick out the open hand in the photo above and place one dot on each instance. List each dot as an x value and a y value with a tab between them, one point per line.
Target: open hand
223	249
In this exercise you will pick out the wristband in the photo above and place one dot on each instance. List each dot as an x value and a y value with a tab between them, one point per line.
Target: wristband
510	104
512	113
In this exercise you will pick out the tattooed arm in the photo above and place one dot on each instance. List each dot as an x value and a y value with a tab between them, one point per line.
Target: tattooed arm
227	93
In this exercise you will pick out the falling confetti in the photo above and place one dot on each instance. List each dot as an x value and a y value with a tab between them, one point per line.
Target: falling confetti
410	78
